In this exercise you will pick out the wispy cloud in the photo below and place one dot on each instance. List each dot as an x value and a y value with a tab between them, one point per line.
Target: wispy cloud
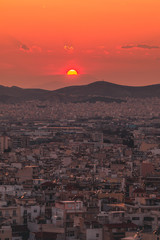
143	46
68	48
21	46
146	46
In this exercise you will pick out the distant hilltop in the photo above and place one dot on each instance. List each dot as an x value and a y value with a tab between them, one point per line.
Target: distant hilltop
107	89
96	91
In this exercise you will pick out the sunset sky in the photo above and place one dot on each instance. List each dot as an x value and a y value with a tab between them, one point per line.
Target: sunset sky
112	40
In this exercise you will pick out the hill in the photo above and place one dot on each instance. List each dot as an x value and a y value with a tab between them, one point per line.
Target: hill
107	89
97	91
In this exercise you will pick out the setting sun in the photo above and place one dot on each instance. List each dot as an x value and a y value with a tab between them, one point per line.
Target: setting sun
72	72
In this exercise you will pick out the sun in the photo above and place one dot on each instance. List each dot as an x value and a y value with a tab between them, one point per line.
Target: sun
72	72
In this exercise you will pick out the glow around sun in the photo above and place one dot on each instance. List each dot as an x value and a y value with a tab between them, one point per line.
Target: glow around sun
72	72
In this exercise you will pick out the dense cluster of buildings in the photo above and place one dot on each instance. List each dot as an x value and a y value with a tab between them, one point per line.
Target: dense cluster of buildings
80	171
47	110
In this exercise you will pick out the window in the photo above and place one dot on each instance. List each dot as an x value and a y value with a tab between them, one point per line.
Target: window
148	219
7	213
97	235
35	210
67	216
115	215
70	234
25	212
135	218
14	213
0	213
25	221
6	238
14	221
70	206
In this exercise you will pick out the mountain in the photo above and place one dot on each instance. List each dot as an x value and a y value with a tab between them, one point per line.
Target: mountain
97	91
106	89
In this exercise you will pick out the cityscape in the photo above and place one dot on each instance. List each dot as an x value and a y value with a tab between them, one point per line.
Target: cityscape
80	171
79	120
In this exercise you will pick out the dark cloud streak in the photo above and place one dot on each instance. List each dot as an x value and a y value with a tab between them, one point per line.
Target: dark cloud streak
20	45
143	46
24	47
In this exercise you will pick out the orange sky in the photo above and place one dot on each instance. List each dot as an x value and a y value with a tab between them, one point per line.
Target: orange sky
113	40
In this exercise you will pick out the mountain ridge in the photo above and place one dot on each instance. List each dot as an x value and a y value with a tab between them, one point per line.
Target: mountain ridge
105	91
103	88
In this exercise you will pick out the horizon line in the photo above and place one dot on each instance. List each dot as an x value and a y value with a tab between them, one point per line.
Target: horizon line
79	85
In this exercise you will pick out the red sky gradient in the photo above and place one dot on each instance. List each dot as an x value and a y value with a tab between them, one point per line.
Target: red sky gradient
112	40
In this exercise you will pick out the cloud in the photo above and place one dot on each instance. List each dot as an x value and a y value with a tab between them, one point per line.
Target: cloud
69	48
146	46
35	48
143	46
24	47
20	45
128	46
